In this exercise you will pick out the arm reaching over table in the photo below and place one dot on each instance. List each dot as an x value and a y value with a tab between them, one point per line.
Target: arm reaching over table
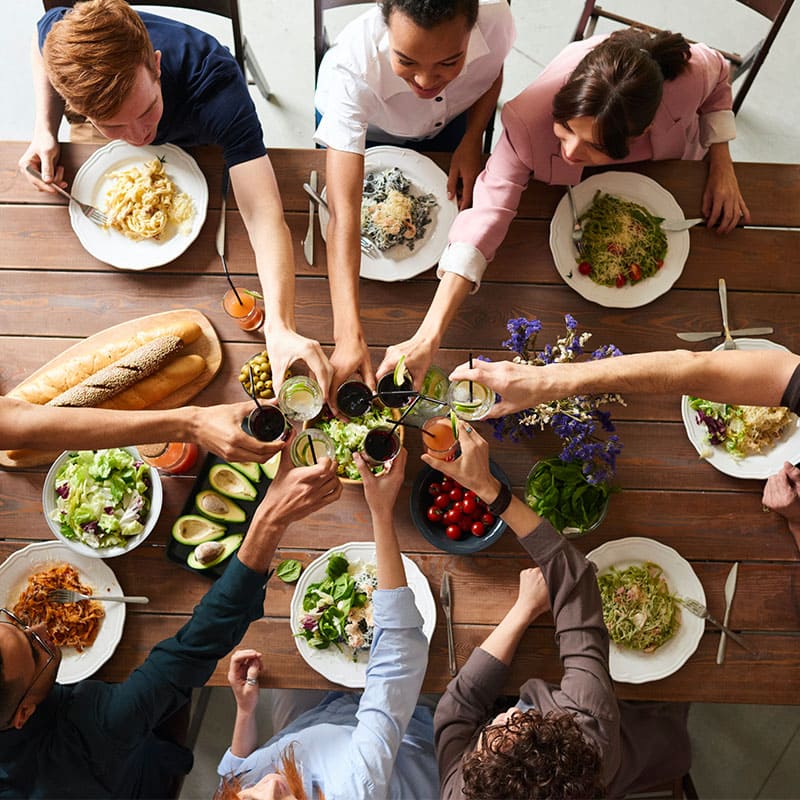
764	378
782	495
217	428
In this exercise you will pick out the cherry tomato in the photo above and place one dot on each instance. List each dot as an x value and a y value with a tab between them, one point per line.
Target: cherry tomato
442	501
659	263
635	272
452	532
621	281
434	489
470	493
452	516
487	518
465	523
456	494
584	268
469	505
477	529
448	484
435	514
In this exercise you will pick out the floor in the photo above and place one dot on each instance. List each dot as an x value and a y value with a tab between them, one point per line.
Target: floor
739	751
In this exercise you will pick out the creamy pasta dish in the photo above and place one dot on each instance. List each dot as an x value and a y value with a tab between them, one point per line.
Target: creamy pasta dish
143	201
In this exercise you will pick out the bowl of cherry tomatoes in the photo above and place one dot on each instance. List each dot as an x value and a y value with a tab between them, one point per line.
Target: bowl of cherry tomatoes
451	517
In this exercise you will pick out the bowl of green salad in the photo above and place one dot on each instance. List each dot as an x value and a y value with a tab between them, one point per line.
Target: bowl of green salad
348	436
102	503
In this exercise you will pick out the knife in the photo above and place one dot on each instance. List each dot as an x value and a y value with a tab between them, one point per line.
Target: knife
702	336
446	601
308	242
220	241
680	224
730	588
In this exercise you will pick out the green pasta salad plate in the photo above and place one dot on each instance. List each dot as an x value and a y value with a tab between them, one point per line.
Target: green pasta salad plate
626	260
640	581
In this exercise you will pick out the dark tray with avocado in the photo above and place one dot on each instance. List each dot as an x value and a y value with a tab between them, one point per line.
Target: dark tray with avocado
217	513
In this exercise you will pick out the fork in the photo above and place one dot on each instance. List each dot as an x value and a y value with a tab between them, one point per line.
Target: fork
729	343
94	214
699	610
577	228
70	596
368	247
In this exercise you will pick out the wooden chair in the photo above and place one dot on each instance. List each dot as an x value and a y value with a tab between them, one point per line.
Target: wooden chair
747	65
681	788
322	43
223	8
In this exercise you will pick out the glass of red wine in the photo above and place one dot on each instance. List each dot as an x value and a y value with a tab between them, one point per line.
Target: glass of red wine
267	424
381	446
393	395
354	398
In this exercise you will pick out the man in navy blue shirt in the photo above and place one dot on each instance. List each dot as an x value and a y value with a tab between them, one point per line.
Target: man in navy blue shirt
150	80
95	739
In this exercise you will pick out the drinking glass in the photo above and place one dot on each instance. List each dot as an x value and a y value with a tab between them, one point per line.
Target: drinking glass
244	311
381	446
439	440
174	458
309	446
394	396
354	398
267	424
300	398
470	400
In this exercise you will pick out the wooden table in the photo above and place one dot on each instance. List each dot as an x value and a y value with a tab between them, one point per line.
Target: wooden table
53	292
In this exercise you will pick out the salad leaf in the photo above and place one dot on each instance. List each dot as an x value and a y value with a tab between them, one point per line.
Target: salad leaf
289	570
337	565
348	437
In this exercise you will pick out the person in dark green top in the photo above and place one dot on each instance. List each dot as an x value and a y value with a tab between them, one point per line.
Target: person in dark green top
94	739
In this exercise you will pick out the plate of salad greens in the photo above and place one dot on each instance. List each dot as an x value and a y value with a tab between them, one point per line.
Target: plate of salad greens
640	580
348	436
101	503
331	611
742	441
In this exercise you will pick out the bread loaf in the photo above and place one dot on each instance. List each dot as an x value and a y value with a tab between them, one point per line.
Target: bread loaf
122	374
61	377
149	391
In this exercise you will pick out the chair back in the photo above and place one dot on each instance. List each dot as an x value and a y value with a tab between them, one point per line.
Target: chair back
747	65
321	42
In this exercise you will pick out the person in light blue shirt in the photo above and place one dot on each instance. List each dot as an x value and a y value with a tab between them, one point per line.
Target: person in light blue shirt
375	745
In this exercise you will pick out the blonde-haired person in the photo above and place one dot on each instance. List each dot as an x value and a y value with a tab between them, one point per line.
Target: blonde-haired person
147	79
345	746
420	74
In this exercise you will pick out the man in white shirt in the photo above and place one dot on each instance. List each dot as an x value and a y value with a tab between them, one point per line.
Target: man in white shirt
411	73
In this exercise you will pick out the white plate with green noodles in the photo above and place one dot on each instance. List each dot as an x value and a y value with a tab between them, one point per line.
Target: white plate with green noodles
628	665
399	263
638	189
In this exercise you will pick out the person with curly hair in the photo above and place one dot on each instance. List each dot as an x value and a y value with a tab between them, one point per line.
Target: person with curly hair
574	740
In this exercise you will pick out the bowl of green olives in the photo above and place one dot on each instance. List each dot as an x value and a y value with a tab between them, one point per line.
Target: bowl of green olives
261	384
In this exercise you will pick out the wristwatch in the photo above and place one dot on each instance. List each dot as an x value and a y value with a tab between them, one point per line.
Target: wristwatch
501	502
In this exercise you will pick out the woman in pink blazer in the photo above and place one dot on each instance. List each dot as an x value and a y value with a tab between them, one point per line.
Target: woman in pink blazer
606	100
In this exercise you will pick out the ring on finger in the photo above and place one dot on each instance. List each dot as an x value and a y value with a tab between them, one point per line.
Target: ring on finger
251	681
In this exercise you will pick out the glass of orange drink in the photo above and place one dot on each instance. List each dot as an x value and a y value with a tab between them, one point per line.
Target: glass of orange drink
439	439
244	310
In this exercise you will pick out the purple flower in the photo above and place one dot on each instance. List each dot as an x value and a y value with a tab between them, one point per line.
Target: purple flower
523	334
571	322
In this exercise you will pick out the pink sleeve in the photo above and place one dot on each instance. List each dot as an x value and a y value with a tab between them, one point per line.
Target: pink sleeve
714	71
497	191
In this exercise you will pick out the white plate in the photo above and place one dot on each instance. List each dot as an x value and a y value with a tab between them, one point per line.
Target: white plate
760	465
633	666
19	566
336	666
629	186
398	263
49	504
92	182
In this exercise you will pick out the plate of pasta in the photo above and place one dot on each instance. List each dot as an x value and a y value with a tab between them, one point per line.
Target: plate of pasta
87	632
404	210
155	198
627	260
653	574
742	441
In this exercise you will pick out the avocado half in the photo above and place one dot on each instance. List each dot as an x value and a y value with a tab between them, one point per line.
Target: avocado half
193	529
217	506
249	468
211	553
229	481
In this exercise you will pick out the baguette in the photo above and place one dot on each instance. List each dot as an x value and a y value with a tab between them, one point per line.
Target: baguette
121	375
61	377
